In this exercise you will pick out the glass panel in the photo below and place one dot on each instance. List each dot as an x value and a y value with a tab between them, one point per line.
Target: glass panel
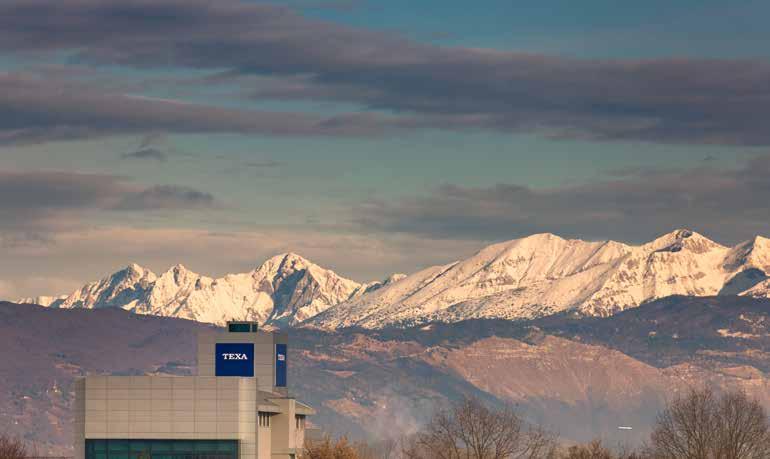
183	446
160	446
139	446
239	328
227	445
161	449
205	446
117	445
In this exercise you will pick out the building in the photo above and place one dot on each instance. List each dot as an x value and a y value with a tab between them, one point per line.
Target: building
237	407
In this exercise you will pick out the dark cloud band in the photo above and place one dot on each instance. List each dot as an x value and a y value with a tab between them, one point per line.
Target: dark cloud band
660	100
38	110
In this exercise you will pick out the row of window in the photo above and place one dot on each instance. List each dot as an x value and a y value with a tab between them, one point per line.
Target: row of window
242	327
160	455
264	420
161	449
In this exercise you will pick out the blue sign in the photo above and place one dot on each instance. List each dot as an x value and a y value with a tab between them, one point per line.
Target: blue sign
235	359
280	365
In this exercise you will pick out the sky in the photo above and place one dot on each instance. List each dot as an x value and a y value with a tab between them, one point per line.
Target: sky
369	137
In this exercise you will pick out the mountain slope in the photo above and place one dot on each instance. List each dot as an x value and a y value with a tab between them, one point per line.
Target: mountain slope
525	278
285	289
579	377
544	274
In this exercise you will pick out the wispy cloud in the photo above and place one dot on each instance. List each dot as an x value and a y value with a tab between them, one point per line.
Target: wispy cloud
633	205
166	197
37	110
149	148
35	205
146	153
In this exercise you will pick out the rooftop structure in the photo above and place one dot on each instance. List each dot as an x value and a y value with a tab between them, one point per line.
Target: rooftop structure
237	407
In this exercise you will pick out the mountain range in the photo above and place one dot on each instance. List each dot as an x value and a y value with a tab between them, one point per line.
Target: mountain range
525	278
578	377
285	290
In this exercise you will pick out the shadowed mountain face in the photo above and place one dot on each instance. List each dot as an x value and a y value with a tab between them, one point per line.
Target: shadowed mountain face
581	377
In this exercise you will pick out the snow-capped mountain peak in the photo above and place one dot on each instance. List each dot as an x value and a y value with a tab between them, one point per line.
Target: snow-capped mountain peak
682	239
522	278
285	289
543	274
124	289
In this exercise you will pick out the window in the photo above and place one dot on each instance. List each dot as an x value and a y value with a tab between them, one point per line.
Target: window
241	328
300	420
264	420
161	449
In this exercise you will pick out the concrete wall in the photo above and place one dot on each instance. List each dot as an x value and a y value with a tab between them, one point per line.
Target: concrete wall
264	443
79	429
264	353
284	437
201	407
161	407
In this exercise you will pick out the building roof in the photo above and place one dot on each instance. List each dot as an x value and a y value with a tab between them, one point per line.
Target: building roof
305	410
265	404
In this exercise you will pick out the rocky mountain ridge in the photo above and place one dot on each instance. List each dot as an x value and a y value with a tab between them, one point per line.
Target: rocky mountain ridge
544	274
284	290
525	278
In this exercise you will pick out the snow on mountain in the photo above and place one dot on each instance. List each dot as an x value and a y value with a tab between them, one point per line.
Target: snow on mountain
285	289
125	289
43	300
524	278
544	274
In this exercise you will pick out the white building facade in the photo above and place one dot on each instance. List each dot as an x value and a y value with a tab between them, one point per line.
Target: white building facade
237	407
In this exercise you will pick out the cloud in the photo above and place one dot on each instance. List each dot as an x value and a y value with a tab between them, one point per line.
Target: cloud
660	100
167	197
36	205
149	148
146	153
34	109
632	205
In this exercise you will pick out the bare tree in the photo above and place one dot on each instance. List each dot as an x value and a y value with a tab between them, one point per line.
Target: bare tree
11	448
593	450
703	425
471	430
328	449
597	450
341	448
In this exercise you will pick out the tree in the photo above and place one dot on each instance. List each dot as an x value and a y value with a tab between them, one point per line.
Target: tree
703	425
11	448
593	450
597	450
328	449
472	430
